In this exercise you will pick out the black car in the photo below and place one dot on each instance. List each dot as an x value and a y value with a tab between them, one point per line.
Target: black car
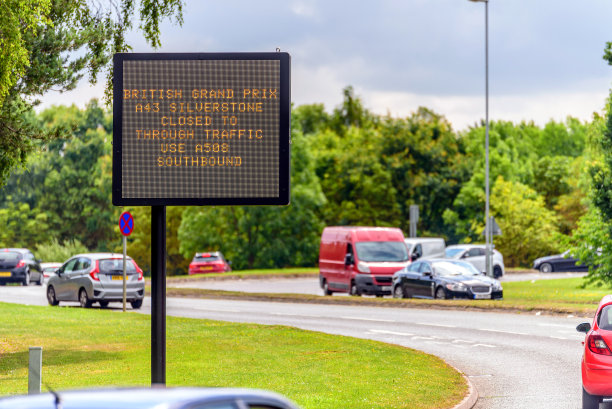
444	278
19	266
559	262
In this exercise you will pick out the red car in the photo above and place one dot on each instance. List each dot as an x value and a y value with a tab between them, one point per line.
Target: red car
213	262
597	358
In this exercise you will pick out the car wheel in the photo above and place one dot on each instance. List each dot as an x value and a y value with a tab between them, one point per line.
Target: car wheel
398	292
546	268
103	304
440	293
51	296
590	401
497	272
326	290
354	291
136	304
84	299
26	279
40	279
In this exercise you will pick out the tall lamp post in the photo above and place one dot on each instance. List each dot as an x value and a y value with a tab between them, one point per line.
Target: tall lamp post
488	236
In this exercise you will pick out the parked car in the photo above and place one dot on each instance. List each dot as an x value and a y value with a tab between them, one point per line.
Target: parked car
559	262
96	277
49	268
212	262
475	255
444	278
150	398
360	260
19	266
428	247
597	356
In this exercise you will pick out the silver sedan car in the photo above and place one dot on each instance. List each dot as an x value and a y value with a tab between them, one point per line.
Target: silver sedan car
96	277
154	398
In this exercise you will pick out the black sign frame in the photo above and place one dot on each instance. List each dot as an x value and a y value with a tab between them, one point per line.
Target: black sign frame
284	131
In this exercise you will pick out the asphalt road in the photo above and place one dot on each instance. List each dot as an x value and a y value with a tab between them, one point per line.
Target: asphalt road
514	360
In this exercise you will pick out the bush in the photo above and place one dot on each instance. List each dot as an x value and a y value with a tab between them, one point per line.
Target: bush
60	252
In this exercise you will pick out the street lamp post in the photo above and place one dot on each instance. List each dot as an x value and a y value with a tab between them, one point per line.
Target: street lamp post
488	236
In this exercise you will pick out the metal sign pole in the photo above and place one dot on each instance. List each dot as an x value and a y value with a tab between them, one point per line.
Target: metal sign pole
158	295
124	271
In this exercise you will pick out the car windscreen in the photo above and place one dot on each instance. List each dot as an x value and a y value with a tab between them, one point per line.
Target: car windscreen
604	320
10	256
375	251
468	268
114	266
446	268
450	253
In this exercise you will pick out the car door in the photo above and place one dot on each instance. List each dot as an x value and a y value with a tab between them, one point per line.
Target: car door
62	284
476	257
410	279
426	281
35	270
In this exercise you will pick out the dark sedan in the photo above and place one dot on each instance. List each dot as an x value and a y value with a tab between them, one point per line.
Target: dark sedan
444	278
19	266
559	262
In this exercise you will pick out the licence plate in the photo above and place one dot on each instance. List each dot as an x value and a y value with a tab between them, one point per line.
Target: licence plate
482	296
206	268
386	288
117	278
5	273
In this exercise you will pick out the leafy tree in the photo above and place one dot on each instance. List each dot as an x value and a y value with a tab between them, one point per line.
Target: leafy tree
49	45
54	251
528	228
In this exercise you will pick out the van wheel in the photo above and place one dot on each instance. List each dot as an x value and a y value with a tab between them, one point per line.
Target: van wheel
497	272
326	290
136	304
354	290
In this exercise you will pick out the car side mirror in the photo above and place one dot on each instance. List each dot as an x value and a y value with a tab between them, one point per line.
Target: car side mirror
348	259
413	257
584	327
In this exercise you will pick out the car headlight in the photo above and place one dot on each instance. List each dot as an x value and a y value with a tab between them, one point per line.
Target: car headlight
456	287
363	267
497	287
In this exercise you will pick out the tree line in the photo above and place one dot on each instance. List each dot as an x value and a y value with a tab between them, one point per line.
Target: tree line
348	167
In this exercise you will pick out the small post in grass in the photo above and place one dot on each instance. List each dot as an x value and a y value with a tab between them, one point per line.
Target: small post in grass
34	370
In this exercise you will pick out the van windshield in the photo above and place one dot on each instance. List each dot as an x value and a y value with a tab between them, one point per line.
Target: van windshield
372	251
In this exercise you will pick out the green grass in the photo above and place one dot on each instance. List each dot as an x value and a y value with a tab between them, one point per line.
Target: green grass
271	272
558	296
92	347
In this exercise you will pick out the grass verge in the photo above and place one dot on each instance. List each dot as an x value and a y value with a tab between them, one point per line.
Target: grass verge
86	348
557	296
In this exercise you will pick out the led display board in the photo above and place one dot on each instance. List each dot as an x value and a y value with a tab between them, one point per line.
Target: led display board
201	129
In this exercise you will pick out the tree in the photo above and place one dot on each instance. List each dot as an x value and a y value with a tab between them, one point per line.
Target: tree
528	228
50	45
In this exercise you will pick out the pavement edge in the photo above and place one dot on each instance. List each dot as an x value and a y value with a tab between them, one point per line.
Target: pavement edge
470	400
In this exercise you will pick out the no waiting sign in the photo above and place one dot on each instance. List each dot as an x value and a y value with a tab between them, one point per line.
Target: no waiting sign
201	129
126	223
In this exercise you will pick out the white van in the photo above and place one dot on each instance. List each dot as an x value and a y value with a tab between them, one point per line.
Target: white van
426	247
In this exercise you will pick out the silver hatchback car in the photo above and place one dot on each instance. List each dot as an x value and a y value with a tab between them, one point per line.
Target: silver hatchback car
96	277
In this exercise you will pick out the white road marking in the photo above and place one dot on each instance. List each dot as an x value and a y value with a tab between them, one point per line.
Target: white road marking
382	331
285	314
483	345
367	319
436	325
502	332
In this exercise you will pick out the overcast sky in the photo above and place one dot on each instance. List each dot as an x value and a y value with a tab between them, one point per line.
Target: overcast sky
545	56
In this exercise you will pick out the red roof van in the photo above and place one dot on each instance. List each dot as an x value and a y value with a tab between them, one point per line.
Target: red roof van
360	260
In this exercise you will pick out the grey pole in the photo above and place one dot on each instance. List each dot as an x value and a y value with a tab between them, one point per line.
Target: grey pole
158	295
35	370
488	236
124	271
